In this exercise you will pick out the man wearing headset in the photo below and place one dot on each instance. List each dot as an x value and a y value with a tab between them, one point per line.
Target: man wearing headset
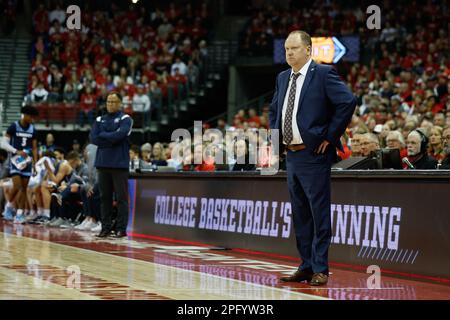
417	143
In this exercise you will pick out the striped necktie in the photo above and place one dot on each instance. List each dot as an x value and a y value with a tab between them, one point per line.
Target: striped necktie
288	135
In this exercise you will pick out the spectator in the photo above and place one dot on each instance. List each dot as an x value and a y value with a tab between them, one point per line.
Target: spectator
180	65
158	155
101	98
155	99
439	119
171	162
40	20
394	140
123	77
434	105
53	96
57	14
146	152
369	144
417	143
39	94
385	129
193	75
222	125
39	49
87	81
436	149
87	107
56	30
70	95
76	147
355	144
164	29
253	119
207	159
141	106
135	157
48	146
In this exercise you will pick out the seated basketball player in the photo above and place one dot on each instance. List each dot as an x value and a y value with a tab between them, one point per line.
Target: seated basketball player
67	206
35	183
52	182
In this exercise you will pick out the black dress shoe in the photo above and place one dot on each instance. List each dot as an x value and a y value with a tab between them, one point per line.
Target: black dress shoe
298	276
120	234
103	234
319	279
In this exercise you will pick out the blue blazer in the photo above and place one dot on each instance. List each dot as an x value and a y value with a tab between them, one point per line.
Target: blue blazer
110	133
326	106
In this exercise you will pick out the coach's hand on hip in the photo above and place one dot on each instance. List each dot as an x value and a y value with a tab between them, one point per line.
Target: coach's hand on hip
323	147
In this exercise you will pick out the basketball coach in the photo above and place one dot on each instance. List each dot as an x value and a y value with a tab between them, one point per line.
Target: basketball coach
110	133
312	108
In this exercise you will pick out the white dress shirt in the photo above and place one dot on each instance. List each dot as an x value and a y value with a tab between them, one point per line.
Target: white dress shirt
297	139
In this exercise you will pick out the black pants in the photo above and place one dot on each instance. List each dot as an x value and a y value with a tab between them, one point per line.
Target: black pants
91	205
116	180
70	206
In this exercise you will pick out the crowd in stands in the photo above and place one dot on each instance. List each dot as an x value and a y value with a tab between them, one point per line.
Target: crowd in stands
319	18
426	144
405	84
154	58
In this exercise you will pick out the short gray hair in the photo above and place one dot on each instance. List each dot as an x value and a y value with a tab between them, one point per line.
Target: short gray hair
372	137
304	37
397	135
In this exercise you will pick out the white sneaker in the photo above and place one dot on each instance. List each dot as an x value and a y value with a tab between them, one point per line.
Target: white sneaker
97	228
31	217
89	225
81	226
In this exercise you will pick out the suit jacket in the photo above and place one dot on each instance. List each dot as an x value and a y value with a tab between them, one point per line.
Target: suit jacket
446	163
326	106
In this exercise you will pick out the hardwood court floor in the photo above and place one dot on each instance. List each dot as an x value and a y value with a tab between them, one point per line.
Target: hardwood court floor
39	262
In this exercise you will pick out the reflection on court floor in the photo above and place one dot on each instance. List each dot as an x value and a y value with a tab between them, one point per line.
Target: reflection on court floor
43	263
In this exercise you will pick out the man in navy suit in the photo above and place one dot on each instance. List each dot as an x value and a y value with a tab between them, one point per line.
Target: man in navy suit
312	108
